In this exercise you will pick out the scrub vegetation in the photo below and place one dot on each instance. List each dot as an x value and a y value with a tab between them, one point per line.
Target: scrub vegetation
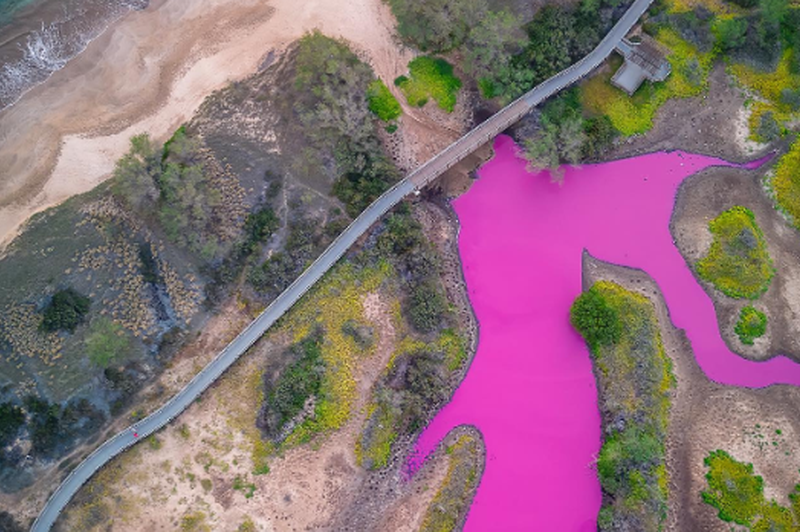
333	104
738	262
310	390
105	288
634	377
430	77
565	136
785	184
632	115
504	54
450	504
738	494
430	355
752	324
382	102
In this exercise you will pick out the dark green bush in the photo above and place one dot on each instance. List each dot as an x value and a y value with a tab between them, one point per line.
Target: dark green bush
427	307
752	324
12	418
595	319
437	25
66	311
298	381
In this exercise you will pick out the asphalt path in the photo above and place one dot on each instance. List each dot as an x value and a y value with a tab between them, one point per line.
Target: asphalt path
413	182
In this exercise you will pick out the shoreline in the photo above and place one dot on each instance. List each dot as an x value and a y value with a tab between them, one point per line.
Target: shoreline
65	135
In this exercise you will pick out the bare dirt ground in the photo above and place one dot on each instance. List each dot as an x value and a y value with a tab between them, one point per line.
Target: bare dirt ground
710	124
63	137
701	198
707	416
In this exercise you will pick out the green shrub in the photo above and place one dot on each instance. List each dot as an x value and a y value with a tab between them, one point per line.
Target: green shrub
66	311
427	307
752	324
733	489
786	183
107	341
738	263
382	102
595	319
436	25
296	383
430	77
12	418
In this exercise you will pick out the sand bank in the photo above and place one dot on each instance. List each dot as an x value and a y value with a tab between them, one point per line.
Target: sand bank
149	72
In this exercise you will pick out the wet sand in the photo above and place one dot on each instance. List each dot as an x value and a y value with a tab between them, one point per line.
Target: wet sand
143	75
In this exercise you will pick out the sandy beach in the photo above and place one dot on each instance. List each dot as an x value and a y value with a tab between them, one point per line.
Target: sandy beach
143	75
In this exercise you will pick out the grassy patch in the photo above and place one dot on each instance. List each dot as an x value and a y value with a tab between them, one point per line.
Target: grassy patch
752	324
329	305
738	263
382	102
430	77
451	502
634	377
247	488
634	115
106	342
786	184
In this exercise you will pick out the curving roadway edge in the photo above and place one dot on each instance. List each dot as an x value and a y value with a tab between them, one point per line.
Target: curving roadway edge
411	183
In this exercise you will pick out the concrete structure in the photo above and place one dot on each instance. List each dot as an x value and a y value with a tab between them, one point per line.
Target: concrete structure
412	183
643	61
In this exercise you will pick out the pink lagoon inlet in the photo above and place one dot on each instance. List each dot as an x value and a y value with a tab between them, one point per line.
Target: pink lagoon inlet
530	389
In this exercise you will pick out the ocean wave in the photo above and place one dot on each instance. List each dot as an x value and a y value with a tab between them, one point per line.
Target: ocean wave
49	48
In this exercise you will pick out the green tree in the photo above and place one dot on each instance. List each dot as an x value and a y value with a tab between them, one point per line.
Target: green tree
437	25
106	342
65	311
491	44
596	320
382	102
731	33
136	173
12	418
773	11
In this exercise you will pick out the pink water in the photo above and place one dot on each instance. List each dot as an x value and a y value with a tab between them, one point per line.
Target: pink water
530	389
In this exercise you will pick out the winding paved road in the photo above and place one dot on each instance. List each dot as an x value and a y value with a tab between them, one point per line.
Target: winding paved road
413	182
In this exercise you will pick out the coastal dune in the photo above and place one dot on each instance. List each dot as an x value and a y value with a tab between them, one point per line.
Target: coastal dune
149	72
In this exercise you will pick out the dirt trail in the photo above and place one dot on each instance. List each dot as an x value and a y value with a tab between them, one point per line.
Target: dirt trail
142	75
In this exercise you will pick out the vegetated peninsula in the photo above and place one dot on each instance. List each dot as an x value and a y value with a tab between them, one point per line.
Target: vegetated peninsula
634	379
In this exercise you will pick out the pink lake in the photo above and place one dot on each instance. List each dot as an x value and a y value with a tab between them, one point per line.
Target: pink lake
530	389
